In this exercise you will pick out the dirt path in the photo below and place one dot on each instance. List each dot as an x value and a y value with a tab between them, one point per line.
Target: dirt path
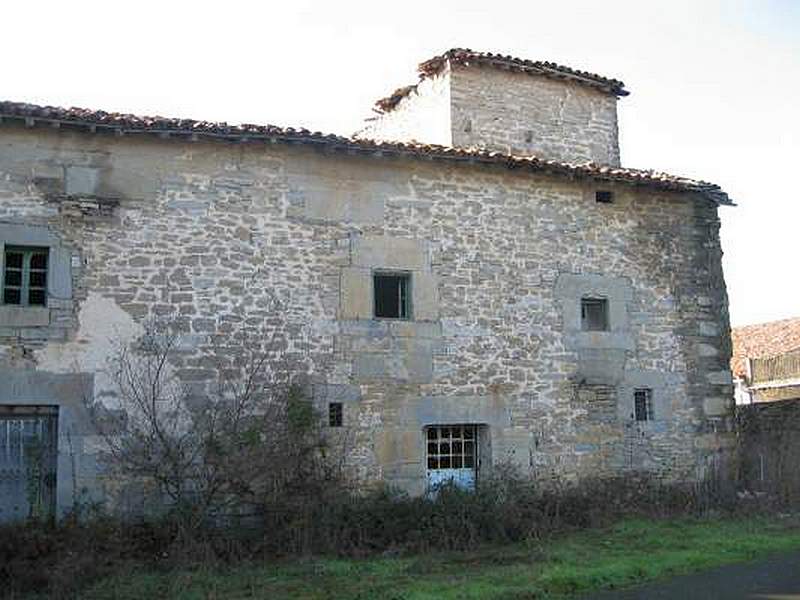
777	578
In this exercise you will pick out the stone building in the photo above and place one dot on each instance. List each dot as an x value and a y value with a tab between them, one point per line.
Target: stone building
487	283
766	361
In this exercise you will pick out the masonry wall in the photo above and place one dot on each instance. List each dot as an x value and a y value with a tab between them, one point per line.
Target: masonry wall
525	114
769	448
210	232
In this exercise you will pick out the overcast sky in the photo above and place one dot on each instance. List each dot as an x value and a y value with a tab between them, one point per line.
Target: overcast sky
715	84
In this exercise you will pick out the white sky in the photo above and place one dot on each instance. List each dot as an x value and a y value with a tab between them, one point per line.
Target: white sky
715	84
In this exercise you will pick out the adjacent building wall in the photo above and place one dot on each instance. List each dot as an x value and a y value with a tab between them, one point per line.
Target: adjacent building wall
209	233
769	449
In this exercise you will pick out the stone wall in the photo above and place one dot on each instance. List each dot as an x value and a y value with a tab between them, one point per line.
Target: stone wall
210	232
505	111
524	114
769	448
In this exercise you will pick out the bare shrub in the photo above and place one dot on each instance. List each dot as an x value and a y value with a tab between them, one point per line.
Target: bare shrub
243	437
324	518
506	507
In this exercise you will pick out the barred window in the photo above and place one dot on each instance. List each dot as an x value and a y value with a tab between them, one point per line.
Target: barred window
452	447
335	414
643	404
25	276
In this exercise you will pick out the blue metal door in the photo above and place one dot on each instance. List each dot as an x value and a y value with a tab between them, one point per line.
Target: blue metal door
28	451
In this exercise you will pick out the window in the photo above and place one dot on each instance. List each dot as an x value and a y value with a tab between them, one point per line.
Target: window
594	314
604	196
25	276
335	414
391	295
643	404
452	447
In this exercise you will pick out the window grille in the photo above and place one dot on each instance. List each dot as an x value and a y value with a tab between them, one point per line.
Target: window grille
643	404
452	447
335	414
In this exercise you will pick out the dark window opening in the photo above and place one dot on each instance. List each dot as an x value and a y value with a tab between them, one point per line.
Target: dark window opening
604	196
25	276
335	416
594	314
391	296
643	404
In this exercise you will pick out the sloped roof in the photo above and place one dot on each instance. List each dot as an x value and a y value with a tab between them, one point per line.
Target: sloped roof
466	58
99	122
763	340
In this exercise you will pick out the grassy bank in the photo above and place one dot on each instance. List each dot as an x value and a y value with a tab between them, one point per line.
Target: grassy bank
630	552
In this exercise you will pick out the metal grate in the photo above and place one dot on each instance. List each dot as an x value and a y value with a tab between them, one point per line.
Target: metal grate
452	447
643	404
335	416
28	454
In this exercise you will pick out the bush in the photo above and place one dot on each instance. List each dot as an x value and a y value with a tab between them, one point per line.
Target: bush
58	561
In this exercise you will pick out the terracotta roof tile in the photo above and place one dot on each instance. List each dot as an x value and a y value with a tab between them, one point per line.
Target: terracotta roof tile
98	121
763	340
466	57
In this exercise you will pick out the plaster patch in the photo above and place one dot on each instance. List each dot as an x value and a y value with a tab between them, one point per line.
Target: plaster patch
103	325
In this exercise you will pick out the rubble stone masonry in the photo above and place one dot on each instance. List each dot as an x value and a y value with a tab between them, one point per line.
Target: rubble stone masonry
210	232
504	111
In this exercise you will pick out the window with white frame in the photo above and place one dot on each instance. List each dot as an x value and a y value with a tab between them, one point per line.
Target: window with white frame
25	275
452	447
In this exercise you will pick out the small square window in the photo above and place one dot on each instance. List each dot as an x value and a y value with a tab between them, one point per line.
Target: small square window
594	314
604	196
335	416
25	276
392	295
643	404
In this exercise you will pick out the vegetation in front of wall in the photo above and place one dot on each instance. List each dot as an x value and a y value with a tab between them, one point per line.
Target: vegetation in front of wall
508	534
243	482
564	565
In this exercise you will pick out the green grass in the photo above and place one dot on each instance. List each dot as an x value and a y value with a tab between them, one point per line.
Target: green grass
631	552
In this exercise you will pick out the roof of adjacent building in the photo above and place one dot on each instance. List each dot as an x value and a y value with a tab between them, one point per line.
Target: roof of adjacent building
466	58
100	122
762	341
